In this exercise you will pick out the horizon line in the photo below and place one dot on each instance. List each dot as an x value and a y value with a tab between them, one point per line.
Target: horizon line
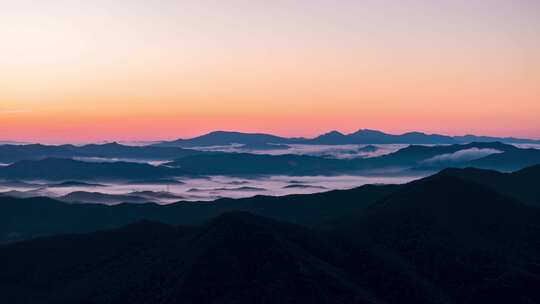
143	141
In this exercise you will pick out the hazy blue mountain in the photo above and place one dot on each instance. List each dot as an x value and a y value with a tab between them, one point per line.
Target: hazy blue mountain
220	138
330	138
115	150
251	164
362	136
421	158
510	160
69	169
255	141
265	146
13	153
418	158
510	140
480	155
366	136
416	155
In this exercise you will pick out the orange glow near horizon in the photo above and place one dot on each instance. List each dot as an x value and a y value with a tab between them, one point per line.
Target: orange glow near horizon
71	71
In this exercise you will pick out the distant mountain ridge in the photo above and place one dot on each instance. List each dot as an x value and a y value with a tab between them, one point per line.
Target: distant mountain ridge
220	138
414	160
362	136
68	169
13	153
166	151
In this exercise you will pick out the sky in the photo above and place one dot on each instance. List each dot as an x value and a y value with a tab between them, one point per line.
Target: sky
82	71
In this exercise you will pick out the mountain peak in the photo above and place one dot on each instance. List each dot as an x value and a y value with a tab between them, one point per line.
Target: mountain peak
368	132
112	144
416	133
332	133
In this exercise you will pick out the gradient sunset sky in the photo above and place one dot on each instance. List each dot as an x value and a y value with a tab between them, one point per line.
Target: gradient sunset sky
80	71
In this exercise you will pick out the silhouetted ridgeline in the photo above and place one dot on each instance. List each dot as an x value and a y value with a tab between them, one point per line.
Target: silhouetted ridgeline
13	153
410	160
362	136
454	237
28	218
69	169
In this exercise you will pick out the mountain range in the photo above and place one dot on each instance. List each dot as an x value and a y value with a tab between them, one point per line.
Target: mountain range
453	237
13	153
251	141
362	136
31	217
412	160
70	169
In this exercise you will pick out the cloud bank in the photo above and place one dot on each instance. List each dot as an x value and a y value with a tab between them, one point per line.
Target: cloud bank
460	156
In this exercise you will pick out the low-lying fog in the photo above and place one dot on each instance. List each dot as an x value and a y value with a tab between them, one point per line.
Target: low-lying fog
213	187
332	151
197	189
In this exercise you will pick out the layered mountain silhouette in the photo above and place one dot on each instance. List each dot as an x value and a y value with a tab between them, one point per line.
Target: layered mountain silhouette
362	136
135	197
69	169
13	153
221	138
510	160
103	198
420	158
38	216
436	157
442	239
251	141
248	164
31	217
413	160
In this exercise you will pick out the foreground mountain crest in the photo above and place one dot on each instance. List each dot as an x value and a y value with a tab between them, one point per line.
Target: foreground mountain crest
454	237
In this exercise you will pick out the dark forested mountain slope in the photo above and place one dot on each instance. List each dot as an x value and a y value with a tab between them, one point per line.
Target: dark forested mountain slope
27	218
235	258
522	184
475	244
441	239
